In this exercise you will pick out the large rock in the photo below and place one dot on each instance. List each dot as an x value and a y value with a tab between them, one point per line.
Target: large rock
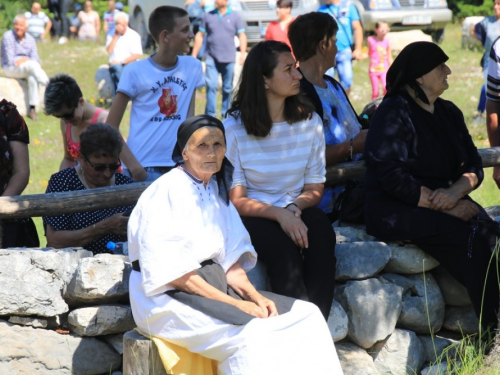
454	293
437	369
423	303
28	350
400	354
401	39
115	341
461	319
354	360
32	282
337	322
360	260
50	323
350	234
104	82
101	320
99	280
409	259
372	308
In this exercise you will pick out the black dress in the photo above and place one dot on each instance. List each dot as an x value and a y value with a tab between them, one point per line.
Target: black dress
408	147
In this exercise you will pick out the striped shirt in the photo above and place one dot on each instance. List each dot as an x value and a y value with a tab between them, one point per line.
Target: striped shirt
36	23
13	49
493	82
274	169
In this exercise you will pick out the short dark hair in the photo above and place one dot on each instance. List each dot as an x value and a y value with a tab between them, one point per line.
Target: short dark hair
100	139
164	18
284	4
250	102
307	31
62	90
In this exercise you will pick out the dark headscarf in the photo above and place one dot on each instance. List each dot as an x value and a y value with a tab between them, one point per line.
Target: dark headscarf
225	176
415	60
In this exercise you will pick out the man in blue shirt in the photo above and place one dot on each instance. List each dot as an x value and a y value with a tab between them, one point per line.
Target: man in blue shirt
347	17
220	27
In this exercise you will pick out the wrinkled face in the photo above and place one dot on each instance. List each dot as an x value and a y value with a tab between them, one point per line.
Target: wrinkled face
181	36
35	8
283	13
205	152
106	167
285	81
121	26
20	27
436	81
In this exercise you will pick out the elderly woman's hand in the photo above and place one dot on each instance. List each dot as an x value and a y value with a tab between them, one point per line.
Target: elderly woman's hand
464	210
264	303
443	199
252	309
116	224
294	227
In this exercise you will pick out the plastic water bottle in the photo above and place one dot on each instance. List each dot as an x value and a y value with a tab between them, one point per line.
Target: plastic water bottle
118	247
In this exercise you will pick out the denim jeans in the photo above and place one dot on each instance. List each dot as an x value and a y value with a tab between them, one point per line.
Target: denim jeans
343	67
116	71
212	71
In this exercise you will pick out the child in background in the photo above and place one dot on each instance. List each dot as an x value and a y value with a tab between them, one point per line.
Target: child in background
380	54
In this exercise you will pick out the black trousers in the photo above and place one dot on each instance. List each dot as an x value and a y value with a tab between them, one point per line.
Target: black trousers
466	253
307	274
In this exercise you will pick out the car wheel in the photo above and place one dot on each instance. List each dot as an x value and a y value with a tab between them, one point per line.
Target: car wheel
142	28
438	36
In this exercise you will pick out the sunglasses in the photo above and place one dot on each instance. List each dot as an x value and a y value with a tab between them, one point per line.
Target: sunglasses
68	116
102	167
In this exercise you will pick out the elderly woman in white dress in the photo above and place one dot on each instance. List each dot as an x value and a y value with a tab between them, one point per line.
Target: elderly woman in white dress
190	252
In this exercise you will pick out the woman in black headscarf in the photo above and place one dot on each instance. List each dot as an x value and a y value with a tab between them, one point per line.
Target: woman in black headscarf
190	250
421	166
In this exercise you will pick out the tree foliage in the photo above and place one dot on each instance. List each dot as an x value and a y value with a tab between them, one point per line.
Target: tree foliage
468	8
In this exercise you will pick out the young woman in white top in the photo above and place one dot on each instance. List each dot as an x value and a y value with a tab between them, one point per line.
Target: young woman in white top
275	142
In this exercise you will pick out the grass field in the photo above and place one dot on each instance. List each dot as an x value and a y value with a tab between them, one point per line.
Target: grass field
81	61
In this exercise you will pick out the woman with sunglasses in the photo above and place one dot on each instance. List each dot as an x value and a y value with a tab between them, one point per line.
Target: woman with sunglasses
64	100
100	146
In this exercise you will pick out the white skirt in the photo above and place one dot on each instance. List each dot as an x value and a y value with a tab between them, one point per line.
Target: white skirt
298	342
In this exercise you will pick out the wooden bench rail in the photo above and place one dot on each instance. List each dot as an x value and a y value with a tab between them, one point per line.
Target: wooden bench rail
95	199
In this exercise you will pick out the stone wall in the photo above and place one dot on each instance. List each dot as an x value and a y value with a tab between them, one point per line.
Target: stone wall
65	311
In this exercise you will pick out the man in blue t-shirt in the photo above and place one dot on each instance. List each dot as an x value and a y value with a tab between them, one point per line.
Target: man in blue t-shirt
350	33
109	19
220	26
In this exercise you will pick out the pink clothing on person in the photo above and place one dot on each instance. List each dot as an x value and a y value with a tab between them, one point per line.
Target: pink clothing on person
275	32
87	25
74	147
378	51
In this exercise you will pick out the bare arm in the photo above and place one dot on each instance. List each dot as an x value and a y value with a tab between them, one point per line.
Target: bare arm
289	219
105	28
358	39
20	169
340	152
111	46
198	42
116	224
243	47
68	161
48	26
97	24
115	117
193	284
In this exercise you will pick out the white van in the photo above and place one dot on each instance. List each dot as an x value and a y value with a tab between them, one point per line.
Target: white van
257	14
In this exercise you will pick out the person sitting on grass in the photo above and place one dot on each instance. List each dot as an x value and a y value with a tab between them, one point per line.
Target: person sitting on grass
162	89
64	100
100	146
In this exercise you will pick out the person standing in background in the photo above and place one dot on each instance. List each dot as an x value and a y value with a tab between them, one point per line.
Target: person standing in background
220	27
347	17
90	24
39	24
379	50
278	30
109	19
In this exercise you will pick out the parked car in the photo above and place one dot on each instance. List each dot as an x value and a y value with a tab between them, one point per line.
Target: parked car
257	14
430	16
